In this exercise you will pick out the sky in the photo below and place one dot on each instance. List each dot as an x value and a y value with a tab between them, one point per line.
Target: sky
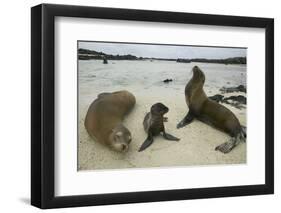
164	51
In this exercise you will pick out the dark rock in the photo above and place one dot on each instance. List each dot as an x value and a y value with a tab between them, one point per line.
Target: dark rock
218	98
240	99
167	80
242	88
105	61
236	101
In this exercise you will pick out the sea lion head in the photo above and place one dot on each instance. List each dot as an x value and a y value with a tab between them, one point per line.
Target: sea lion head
120	138
159	109
198	76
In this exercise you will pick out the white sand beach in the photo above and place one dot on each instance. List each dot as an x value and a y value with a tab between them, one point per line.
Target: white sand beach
144	80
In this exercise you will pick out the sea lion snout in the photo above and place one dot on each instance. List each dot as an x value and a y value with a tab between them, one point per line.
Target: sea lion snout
195	68
124	147
198	75
121	147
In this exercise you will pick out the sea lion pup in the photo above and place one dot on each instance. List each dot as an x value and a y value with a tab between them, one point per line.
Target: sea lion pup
104	119
153	124
211	112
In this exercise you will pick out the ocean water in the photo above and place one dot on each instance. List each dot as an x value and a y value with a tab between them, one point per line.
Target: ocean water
146	77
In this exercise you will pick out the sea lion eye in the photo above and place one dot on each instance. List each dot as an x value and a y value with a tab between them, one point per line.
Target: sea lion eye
118	136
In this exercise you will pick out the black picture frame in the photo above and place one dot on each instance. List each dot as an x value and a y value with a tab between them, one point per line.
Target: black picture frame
43	105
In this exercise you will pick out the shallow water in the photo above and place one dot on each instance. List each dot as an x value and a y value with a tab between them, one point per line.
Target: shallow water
149	76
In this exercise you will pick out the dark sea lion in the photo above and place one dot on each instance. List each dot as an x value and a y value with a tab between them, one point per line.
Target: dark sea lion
211	112
104	119
153	124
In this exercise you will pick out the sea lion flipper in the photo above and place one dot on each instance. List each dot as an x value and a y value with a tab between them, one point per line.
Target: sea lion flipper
226	147
170	137
146	143
186	120
229	145
234	141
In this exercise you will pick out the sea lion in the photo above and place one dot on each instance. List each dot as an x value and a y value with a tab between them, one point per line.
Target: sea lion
104	119
153	124
211	112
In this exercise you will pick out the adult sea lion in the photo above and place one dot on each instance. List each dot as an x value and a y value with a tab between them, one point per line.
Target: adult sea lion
153	124
211	112
104	119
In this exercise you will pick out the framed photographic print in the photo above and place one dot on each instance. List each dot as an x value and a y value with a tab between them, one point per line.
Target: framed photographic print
139	106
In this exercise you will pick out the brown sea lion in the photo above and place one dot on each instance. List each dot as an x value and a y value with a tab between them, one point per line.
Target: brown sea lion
104	119
211	112
153	124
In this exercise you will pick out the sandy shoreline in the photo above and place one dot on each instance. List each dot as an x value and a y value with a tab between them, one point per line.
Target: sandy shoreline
145	80
196	146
